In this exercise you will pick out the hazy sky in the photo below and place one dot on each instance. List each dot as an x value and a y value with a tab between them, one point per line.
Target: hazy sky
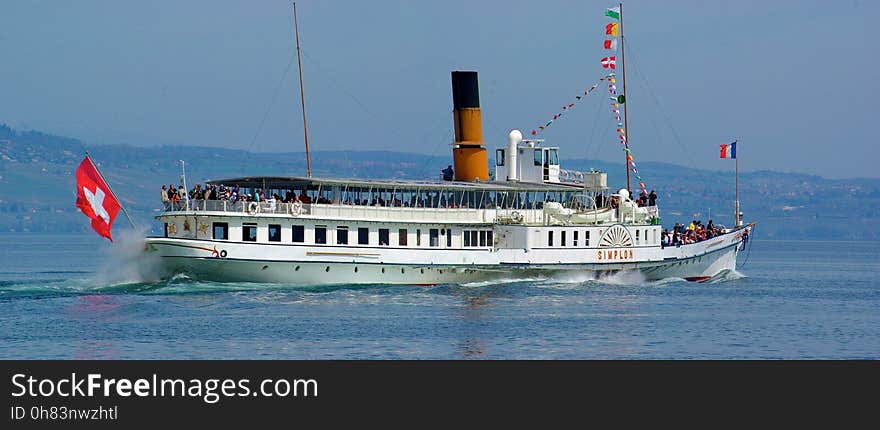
796	82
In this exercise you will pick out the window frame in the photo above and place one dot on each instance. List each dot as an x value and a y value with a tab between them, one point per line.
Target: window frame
553	157
214	225
323	230
342	235
245	228
278	230
293	235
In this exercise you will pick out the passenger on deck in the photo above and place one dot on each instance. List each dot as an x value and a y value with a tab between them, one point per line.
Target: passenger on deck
173	196
448	173
304	198
652	199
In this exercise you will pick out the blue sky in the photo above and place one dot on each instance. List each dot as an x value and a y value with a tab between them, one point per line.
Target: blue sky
796	82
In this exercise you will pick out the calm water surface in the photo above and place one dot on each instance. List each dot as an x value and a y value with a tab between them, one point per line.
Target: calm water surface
71	297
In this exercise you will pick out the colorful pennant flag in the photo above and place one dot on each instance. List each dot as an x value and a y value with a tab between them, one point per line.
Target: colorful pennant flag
611	29
616	99
565	108
609	62
613	12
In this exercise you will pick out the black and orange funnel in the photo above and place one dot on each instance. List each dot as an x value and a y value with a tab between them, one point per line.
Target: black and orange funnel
468	154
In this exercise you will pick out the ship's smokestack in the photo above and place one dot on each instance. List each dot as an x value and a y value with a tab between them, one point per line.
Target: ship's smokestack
468	154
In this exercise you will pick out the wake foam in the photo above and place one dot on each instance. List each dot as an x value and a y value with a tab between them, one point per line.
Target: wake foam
127	261
726	276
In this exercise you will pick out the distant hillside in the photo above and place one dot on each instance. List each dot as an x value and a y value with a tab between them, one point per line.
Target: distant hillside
37	185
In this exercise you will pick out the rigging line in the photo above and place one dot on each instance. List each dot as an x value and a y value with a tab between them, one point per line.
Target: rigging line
593	131
445	141
266	113
566	108
329	76
366	109
656	101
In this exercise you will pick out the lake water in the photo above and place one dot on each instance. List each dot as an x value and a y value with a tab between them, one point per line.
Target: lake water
66	297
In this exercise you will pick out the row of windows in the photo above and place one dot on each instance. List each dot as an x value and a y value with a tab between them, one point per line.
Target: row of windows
542	156
477	238
564	242
641	237
298	235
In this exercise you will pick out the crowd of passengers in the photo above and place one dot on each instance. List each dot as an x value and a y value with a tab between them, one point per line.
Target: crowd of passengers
171	194
645	199
695	232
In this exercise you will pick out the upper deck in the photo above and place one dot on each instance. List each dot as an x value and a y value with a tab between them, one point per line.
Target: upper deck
301	183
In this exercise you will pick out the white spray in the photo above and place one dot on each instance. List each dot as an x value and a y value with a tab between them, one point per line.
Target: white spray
127	261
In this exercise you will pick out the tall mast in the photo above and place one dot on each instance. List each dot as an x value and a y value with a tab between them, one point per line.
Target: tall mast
625	95
736	219
303	95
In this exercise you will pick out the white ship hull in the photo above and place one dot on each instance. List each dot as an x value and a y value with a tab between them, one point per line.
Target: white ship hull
312	265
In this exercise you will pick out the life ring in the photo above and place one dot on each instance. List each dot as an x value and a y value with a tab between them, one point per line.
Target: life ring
296	208
253	208
516	216
222	253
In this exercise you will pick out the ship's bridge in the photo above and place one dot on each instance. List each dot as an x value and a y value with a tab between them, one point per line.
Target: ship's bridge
528	161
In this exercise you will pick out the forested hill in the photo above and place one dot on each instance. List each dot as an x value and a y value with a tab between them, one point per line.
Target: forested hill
37	185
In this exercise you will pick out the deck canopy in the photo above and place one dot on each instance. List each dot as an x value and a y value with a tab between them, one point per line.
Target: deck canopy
299	183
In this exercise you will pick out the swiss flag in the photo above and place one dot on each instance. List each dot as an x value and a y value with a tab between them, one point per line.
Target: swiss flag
94	198
609	62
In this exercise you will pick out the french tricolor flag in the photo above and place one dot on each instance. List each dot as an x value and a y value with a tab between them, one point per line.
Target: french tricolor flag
728	150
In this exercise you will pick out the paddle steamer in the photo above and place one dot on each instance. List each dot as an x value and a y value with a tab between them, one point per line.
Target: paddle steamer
530	218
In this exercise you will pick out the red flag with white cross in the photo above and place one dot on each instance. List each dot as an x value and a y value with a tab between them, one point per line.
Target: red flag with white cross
94	198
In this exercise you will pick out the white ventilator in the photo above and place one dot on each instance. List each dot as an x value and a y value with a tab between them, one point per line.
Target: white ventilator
513	140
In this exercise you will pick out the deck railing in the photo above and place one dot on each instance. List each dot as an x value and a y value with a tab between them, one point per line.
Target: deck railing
329	210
